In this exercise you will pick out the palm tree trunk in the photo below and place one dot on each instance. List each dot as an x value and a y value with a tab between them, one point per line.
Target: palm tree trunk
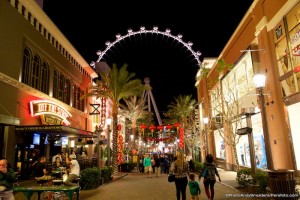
115	139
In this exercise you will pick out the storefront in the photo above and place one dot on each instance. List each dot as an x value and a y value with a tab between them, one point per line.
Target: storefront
48	129
4	122
287	42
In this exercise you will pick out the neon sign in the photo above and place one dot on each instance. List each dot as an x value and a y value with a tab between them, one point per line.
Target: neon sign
43	107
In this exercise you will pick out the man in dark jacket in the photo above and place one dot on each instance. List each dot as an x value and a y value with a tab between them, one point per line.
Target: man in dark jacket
7	178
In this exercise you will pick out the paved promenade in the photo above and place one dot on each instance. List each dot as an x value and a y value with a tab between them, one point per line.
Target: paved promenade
136	186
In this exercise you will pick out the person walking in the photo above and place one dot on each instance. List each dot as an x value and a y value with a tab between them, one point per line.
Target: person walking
181	170
141	165
209	173
194	187
166	165
7	178
157	168
147	165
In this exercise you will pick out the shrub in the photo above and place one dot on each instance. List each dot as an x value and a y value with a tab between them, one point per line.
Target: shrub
261	178
90	178
244	177
198	167
106	174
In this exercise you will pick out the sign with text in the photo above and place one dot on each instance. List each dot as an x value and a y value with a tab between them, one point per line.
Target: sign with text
50	112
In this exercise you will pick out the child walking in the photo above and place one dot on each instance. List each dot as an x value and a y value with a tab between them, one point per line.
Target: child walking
194	187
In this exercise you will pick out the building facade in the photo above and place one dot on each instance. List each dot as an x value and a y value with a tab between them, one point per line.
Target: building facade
42	80
266	41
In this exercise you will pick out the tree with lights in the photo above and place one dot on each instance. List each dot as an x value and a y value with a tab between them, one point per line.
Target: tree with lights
116	84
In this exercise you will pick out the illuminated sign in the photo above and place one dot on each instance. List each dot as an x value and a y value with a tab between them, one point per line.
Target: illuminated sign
46	107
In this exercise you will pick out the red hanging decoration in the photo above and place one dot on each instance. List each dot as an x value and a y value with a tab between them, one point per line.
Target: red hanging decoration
177	125
133	151
152	128
181	138
142	127
168	127
119	127
160	127
120	145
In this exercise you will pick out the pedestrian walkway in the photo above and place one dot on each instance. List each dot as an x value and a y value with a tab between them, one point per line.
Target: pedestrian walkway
136	186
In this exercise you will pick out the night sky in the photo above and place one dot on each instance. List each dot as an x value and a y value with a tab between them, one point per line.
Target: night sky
170	66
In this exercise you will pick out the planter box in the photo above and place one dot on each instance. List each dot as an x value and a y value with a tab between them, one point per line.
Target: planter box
253	189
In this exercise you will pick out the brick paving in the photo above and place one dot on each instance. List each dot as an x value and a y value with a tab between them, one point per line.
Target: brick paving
136	186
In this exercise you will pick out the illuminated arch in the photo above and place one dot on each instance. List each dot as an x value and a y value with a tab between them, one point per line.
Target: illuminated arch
143	30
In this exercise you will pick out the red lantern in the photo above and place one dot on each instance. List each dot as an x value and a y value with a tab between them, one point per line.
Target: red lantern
177	125
142	127
152	128
119	127
168	127
133	151
160	127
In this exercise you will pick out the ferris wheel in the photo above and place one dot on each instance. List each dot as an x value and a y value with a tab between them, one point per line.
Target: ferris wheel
149	98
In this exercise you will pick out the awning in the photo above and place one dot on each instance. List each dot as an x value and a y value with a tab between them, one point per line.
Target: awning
8	120
57	129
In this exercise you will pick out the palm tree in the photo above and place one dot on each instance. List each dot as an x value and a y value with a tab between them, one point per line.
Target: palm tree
116	84
182	108
134	110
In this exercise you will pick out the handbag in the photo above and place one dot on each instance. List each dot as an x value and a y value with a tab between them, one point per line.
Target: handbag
171	178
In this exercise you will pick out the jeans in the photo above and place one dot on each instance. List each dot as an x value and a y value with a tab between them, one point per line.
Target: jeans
181	184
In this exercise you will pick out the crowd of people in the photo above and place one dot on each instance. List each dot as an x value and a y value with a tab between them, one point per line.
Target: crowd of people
154	165
149	164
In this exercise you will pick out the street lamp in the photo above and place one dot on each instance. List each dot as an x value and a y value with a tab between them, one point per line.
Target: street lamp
205	122
108	123
259	81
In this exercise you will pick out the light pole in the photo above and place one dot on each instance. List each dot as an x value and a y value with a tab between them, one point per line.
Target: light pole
108	123
205	122
99	131
260	80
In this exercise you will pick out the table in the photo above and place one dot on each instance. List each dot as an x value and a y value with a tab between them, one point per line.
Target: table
28	191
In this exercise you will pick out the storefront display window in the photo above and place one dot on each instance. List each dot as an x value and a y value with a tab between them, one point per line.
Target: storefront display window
243	149
220	145
294	116
287	42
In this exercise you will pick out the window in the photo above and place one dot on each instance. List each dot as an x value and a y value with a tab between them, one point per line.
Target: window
67	92
34	72
45	78
76	102
55	84
26	66
61	87
286	39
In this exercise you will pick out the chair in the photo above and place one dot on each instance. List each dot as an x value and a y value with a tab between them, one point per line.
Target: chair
16	181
